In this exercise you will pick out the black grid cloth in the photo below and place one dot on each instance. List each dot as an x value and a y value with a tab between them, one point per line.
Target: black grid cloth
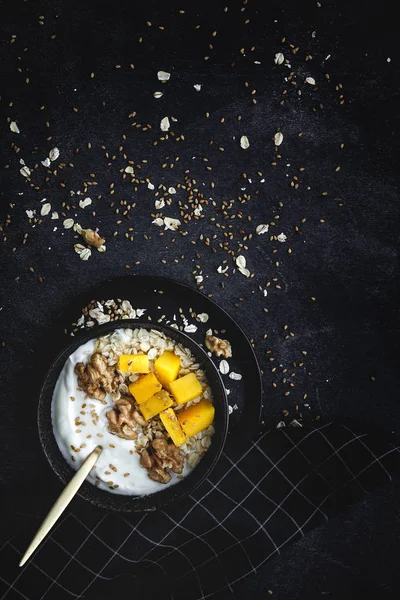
255	501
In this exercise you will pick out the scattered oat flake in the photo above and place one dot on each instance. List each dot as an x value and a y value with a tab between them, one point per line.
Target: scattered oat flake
157	94
86	202
129	170
150	185
30	213
164	125
54	215
68	223
14	127
236	376
278	138
171	223
159	204
281	237
46	208
159	222
84	253
171	190
244	271
25	171
203	317
261	229
244	142
197	87
279	58
163	75
224	367
199	279
240	261
222	269
190	329
54	154
310	80
45	162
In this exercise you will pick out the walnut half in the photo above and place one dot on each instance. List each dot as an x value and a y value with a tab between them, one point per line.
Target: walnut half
122	422
162	456
218	346
160	475
96	378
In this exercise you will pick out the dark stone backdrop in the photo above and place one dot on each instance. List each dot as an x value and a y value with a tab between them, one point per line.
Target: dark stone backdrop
344	254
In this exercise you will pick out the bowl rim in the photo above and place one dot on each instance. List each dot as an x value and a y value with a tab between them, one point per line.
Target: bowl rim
124	502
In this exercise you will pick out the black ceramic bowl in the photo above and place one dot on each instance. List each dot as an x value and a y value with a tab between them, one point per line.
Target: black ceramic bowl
121	502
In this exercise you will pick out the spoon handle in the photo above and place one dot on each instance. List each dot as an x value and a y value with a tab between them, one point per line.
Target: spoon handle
62	502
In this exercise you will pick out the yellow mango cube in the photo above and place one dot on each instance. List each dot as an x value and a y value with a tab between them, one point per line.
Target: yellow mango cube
173	427
197	417
185	388
145	387
154	405
134	363
167	367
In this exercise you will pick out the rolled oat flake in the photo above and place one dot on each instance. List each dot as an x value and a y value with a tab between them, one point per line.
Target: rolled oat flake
224	367
163	75
241	261
236	376
46	208
68	223
54	154
25	171
14	127
244	142
164	125
202	317
261	229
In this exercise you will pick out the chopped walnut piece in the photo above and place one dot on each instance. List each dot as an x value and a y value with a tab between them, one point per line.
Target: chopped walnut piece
146	460
97	379
218	346
92	238
122	423
138	418
169	454
160	475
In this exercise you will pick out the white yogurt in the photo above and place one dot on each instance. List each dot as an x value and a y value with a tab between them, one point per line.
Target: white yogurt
65	411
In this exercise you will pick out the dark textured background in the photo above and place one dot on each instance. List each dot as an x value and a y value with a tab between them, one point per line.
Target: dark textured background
348	262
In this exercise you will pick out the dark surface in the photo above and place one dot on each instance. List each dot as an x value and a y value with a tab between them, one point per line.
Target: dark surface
344	255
